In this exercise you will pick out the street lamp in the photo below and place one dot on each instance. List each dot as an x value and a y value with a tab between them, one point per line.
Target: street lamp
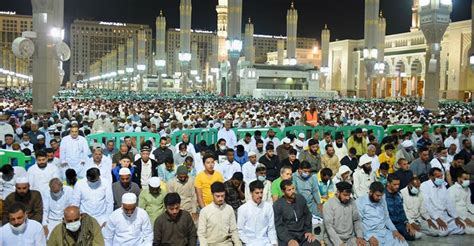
160	64
370	59
234	47
185	59
434	20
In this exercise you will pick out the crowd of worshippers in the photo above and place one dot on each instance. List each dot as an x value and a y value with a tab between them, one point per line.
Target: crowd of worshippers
258	190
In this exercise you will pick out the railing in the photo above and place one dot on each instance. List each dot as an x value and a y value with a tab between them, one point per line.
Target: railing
118	138
195	136
6	157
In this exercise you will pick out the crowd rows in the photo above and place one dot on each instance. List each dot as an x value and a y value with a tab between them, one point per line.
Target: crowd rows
258	190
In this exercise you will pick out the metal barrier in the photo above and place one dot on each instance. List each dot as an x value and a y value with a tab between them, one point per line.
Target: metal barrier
405	128
195	136
240	132
458	127
378	130
6	156
117	137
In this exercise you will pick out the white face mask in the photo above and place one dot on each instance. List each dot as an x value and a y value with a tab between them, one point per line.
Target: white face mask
222	148
73	226
19	229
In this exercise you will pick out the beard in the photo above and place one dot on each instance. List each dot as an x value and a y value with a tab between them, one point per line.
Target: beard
357	139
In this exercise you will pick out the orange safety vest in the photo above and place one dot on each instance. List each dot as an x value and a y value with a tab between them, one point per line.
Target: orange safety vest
312	119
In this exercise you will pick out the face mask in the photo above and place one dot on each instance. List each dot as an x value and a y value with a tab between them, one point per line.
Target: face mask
26	142
222	148
183	154
465	183
443	158
414	191
94	185
305	175
262	178
19	229
73	226
438	182
260	149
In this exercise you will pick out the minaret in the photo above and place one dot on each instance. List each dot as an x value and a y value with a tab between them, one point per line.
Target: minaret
222	29
382	26
280	51
130	61
371	23
141	66
291	32
234	24
234	41
160	37
121	64
185	10
325	37
249	49
185	39
415	18
195	66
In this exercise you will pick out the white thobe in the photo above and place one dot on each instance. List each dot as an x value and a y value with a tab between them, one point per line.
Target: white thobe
98	202
275	140
247	146
39	177
27	146
74	152
6	187
462	201
228	169
190	148
340	152
5	129
416	212
229	136
33	235
375	161
267	191
248	170
450	140
444	166
362	182
440	206
128	231
256	224
198	164
53	210
105	167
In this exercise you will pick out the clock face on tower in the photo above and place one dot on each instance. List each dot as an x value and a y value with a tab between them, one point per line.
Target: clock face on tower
23	48
63	51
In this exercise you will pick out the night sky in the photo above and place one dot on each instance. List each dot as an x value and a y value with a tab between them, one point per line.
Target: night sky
345	18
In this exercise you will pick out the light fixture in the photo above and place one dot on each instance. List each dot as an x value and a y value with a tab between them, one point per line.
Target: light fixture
160	63
447	2
121	72
129	69
141	67
194	72
184	57
424	3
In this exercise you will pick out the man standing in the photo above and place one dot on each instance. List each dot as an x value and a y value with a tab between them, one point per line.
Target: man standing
76	229
248	169
403	173
40	174
271	162
461	197
128	225
396	210
20	230
55	201
261	174
439	204
145	167
377	227
103	163
416	213
234	191
230	166
124	185
183	185
255	218
151	200
421	166
93	195
30	199
306	184
176	226
311	155
205	179
228	134
293	220
74	150
163	152
362	177
330	160
217	225
341	218
285	174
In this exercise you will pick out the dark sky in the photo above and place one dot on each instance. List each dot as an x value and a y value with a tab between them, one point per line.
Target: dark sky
345	18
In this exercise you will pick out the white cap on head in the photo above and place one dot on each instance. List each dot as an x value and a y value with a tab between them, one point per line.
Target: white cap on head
22	180
251	153
286	141
40	137
364	160
155	182
407	144
364	129
301	135
124	171
129	198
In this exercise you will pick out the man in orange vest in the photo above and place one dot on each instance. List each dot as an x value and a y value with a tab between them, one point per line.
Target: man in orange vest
311	116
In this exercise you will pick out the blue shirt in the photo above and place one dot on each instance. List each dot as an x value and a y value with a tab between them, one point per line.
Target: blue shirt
309	189
395	207
241	159
375	217
164	174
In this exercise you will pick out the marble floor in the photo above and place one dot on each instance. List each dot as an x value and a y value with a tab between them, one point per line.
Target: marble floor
445	241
